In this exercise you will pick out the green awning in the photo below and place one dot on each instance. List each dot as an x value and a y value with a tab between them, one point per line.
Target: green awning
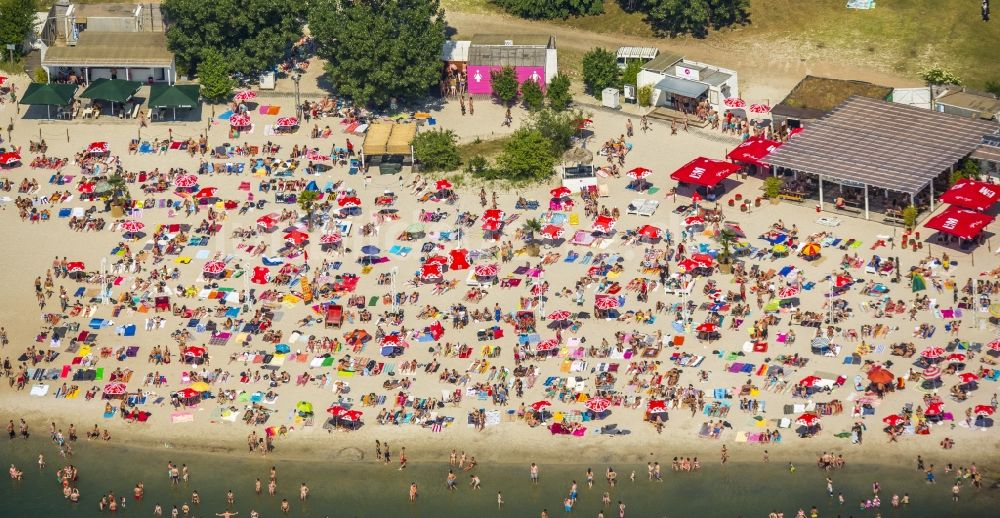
48	94
173	96
114	90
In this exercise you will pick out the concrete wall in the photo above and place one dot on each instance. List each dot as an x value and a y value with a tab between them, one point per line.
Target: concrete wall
551	65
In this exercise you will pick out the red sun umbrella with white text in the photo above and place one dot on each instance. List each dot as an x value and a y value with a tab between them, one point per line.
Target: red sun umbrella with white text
649	232
493	215
932	352
808	419
552	232
606	302
984	410
893	419
349	202
734	102
485	270
597	404
336	410
214	267
443	185
132	226
547	345
968	377
287	122
538	405
560	192
639	173
245	95
75	266
186	180
96	148
206	193
239	120
604	224
329	239
10	158
759	108
560	314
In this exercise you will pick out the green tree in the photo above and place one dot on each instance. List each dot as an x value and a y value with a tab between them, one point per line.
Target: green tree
772	187
479	167
214	75
969	170
307	202
993	87
910	214
630	76
504	84
557	128
380	49
17	20
527	157
436	150
549	9
531	227
600	70
695	17
558	92
645	95
532	95
939	76
253	35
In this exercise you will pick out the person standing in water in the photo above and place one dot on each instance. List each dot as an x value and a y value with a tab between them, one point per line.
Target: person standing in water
413	491
499	500
534	473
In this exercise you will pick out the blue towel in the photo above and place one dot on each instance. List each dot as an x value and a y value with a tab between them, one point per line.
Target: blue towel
785	271
79	292
65	213
226	115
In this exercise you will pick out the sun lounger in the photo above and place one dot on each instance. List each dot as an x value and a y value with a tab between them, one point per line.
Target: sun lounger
635	205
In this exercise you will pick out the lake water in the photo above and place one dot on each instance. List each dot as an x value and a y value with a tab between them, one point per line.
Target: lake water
368	489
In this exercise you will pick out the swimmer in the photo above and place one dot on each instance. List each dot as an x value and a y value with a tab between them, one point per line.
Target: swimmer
499	500
284	505
413	491
225	514
303	492
195	498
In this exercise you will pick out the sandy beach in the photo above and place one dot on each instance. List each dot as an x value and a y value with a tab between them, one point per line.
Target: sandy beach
33	246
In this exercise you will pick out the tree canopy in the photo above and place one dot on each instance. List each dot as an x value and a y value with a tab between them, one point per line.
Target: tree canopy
531	93
526	157
17	20
600	70
252	35
380	49
436	150
504	84
694	17
558	92
214	76
549	9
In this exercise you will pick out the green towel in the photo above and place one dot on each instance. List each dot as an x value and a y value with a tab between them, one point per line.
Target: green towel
653	190
372	301
327	362
856	244
100	374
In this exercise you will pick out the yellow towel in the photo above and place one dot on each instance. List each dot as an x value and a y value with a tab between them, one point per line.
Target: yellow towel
574	219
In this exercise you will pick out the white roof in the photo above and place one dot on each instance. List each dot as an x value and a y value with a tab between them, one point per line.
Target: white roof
455	50
637	52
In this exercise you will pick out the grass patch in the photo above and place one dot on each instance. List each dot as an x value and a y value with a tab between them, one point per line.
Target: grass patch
613	20
484	148
15	68
468	6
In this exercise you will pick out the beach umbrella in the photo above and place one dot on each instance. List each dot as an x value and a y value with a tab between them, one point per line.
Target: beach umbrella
956	357
115	388
304	407
560	192
393	340
538	289
810	381
493	215
656	405
329	239
917	283
811	249
296	236
132	226
649	232
537	406
788	291
984	410
287	122
780	248
703	260
282	349
437	259
880	376
186	180
3	79
199	386
349	202
735	102
932	352
552	232
759	108
351	416
605	302
194	351
492	225
807	419
967	377
893	419
639	173
430	271
10	158
994	345
547	345
85	187
245	95
370	249
707	327
206	193
485	270
694	220
604	224
239	120
842	280
597	404
560	314
187	393
935	408
442	185
214	267
687	265
932	372
336	410
75	266
267	221
96	148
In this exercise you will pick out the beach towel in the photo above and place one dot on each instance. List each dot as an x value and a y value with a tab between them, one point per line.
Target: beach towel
181	417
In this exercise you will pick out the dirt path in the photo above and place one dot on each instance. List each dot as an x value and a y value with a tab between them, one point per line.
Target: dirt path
768	70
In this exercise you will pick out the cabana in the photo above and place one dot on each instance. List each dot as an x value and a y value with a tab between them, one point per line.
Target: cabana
163	96
48	94
389	144
868	144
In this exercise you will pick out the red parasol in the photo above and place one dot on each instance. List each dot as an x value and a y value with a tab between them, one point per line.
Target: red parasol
560	314
390	340
932	352
552	232
656	404
707	327
788	291
75	266
809	381
116	388
605	302
188	393
442	185
687	265
735	102
649	232
493	215
86	187
753	150
349	202
239	120
694	220
206	193
808	419
842	280
485	270
336	410
935	408
704	171
893	419
994	345
547	345
597	404
245	95
639	173
984	410
972	194
967	377
10	158
186	180
703	260
287	122
492	225
604	224
297	236
539	405
437	259
194	351
329	239
351	416
267	221
932	372
98	147
430	271
132	226
759	108
560	192
956	357
214	267
962	223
